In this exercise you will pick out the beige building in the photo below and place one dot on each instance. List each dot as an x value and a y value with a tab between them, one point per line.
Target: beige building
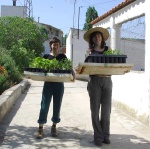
51	32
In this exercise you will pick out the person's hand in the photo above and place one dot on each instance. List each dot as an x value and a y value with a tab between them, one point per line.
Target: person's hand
76	69
74	75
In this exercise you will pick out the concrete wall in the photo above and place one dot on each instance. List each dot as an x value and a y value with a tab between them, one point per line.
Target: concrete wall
129	94
9	97
69	45
75	48
79	48
135	51
46	47
133	10
13	11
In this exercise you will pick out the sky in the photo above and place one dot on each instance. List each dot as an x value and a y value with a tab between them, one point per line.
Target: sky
64	14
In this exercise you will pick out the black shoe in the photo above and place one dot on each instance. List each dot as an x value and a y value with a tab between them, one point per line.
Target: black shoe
106	141
98	143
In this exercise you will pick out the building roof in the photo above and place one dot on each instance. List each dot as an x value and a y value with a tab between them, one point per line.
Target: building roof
113	10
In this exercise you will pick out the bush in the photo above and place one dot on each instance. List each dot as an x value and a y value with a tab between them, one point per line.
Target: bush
4	84
21	55
9	72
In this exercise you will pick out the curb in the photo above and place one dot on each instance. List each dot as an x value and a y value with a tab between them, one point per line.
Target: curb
8	98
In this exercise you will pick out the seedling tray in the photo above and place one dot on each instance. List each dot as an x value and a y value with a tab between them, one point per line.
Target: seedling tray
103	68
49	77
106	58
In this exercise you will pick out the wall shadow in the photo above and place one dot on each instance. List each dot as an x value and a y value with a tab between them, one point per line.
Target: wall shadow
4	123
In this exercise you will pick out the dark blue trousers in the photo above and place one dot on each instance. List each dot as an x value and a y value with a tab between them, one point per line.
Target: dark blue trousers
55	90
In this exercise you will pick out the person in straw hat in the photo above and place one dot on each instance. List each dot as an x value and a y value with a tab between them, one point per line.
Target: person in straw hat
99	88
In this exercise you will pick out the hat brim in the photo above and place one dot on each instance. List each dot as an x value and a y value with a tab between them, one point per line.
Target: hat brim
96	29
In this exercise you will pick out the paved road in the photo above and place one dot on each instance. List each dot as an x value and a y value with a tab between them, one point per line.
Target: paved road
18	128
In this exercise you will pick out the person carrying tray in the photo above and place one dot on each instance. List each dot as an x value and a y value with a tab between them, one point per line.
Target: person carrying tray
52	89
99	88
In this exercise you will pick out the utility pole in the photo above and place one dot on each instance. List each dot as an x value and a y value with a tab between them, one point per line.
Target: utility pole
28	8
79	19
73	30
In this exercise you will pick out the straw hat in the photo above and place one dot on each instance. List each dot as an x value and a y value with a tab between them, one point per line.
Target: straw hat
96	29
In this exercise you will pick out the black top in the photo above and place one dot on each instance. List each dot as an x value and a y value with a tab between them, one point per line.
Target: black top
94	53
58	57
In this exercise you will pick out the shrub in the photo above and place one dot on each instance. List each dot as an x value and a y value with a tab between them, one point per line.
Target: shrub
11	75
21	55
4	84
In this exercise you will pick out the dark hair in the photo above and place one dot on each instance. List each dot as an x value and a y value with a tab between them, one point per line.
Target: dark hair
54	40
91	44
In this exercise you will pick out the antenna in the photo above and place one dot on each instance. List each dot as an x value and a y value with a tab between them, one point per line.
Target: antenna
28	12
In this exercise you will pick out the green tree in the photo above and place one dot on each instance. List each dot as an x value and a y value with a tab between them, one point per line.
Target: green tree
13	29
64	39
23	38
91	14
21	55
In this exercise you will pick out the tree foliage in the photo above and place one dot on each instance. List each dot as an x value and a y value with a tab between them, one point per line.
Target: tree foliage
13	29
64	39
23	38
91	14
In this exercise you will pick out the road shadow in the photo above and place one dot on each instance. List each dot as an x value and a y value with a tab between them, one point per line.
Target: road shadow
69	137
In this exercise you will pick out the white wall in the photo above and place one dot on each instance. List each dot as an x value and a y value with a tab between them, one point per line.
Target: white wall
129	93
13	11
69	45
79	46
46	47
129	12
135	51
